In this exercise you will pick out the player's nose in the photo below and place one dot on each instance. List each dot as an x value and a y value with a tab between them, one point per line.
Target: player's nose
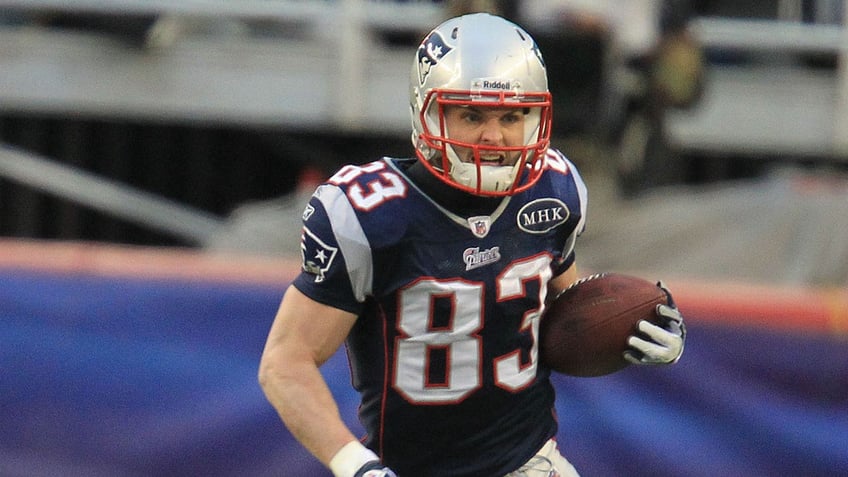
491	132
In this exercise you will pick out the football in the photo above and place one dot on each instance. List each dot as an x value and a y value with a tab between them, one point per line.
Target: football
585	328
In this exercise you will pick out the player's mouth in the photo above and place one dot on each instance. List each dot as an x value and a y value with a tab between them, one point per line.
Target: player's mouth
492	159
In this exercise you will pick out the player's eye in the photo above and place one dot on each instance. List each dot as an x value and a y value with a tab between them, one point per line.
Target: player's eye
512	118
472	116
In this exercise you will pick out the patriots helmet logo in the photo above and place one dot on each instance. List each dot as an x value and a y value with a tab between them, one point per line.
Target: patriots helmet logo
538	53
430	52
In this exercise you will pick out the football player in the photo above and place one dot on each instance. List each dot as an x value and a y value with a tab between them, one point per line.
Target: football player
434	271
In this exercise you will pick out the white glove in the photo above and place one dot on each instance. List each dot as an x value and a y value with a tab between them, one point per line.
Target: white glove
374	469
356	460
653	344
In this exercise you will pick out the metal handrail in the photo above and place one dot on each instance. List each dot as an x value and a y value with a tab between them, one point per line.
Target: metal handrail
108	196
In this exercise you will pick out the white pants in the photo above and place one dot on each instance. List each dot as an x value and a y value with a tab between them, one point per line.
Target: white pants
548	462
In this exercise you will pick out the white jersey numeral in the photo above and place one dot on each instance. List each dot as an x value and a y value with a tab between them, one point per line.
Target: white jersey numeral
509	370
387	187
420	338
458	340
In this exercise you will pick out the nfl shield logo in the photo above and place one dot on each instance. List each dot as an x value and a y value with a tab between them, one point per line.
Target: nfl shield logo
479	225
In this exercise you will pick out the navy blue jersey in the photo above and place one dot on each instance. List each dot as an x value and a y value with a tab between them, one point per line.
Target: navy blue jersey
444	352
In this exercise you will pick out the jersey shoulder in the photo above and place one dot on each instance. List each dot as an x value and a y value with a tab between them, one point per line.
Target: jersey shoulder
370	186
562	176
375	197
556	163
562	182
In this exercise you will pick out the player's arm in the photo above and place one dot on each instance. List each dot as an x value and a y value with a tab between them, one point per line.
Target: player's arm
304	335
562	281
565	279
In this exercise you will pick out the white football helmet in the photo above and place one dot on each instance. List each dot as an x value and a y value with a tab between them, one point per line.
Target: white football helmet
481	60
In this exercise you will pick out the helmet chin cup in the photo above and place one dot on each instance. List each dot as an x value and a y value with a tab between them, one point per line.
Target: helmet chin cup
476	176
491	179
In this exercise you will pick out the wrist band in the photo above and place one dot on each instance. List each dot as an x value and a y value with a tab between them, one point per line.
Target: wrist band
350	458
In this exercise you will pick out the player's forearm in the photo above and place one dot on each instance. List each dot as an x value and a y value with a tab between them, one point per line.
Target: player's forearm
302	399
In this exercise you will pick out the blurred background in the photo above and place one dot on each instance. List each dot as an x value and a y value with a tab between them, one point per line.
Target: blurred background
155	157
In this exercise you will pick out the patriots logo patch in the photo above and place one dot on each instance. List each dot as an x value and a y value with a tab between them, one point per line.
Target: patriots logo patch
317	257
307	212
430	52
476	258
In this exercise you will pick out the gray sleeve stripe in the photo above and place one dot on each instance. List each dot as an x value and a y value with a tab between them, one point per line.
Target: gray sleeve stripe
582	194
568	248
351	239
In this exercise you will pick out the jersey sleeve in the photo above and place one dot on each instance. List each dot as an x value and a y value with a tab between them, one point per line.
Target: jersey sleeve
574	187
335	254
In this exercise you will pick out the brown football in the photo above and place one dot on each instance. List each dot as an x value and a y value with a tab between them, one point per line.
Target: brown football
585	328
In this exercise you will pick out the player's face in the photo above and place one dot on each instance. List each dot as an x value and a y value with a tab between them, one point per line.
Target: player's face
486	126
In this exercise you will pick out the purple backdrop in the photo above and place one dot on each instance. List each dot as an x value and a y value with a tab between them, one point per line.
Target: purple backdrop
119	376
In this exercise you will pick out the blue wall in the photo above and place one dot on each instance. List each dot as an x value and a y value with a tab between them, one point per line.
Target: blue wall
120	376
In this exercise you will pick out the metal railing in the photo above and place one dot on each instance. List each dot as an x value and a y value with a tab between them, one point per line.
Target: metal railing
109	196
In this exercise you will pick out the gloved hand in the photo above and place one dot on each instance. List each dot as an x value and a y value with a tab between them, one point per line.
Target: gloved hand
374	469
653	344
